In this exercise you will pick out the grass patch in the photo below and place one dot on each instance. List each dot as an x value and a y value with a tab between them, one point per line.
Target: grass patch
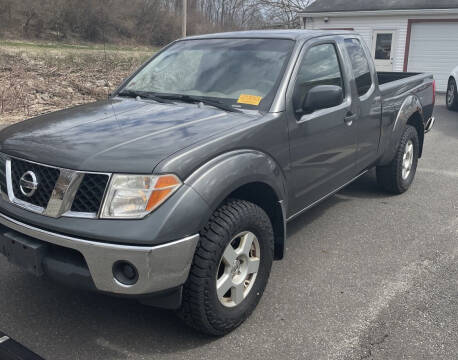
63	46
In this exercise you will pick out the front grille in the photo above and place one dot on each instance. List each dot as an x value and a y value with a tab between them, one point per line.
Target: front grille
85	203
90	193
46	178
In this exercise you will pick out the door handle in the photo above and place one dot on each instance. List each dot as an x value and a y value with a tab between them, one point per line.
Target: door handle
349	118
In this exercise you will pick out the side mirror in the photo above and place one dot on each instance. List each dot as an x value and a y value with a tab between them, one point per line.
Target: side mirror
322	97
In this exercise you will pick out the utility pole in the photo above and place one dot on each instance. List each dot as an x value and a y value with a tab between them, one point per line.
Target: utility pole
184	10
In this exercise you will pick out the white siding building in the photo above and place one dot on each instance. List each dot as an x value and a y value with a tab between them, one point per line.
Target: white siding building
404	35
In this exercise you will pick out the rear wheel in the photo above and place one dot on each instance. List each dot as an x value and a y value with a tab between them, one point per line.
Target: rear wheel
452	95
230	268
399	174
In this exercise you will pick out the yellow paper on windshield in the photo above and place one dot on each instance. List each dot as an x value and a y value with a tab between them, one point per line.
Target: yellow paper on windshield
249	99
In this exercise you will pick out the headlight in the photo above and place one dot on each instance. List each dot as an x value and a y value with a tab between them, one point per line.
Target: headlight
135	196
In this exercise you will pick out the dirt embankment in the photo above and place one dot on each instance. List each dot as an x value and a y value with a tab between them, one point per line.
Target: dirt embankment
37	81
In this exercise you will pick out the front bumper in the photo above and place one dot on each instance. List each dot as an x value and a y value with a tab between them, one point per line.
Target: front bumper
159	267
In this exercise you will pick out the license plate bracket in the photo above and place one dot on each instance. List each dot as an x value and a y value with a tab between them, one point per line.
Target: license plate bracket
23	251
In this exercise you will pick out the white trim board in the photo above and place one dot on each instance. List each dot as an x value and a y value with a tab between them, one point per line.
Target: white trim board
419	12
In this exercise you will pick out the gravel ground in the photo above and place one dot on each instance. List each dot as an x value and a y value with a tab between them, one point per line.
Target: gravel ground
366	276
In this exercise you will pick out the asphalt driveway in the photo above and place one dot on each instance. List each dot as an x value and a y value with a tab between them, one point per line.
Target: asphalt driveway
366	275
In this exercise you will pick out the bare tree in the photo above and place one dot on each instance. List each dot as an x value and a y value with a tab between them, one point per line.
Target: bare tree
153	22
6	10
284	12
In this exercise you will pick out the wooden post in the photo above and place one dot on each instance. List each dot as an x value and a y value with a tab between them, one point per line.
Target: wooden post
184	10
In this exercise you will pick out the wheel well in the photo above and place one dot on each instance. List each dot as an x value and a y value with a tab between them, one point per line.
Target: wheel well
417	122
265	197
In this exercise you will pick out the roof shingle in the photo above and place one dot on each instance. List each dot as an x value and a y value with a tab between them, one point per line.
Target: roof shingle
373	5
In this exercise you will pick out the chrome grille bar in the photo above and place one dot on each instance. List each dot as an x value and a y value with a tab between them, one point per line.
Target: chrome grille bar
64	192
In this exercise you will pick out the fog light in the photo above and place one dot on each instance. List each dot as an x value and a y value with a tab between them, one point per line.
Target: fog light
125	273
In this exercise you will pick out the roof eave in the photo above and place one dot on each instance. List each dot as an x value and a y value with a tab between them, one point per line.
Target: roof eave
380	12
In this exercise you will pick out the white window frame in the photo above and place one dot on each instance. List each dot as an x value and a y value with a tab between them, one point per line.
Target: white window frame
384	65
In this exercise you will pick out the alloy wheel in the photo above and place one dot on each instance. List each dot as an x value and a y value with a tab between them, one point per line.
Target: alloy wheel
451	94
407	160
238	269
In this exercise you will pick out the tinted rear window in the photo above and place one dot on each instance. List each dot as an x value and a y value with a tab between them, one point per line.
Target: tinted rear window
360	65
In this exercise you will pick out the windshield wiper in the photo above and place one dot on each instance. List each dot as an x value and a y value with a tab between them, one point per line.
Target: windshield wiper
194	99
144	95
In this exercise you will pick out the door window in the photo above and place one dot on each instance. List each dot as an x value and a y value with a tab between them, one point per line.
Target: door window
360	65
383	46
320	66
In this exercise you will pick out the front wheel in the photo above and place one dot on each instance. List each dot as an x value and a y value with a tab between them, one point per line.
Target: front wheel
452	95
230	268
397	176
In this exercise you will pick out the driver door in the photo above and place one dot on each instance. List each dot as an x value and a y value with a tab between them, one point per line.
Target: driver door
322	142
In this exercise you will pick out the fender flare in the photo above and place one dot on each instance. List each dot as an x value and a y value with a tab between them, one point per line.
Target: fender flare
410	106
217	179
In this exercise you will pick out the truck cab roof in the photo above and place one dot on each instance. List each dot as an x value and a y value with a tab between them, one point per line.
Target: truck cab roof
292	34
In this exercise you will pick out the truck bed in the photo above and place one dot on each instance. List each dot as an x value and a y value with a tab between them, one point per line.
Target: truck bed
397	83
390	76
395	86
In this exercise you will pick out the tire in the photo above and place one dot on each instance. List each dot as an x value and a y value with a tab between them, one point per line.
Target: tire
391	178
202	308
452	95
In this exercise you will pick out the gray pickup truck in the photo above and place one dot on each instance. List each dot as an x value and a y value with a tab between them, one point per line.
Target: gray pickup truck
177	189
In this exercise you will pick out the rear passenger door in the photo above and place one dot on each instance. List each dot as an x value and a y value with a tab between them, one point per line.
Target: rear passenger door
322	142
367	101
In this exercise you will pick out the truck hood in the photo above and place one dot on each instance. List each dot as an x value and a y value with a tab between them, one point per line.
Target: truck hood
117	135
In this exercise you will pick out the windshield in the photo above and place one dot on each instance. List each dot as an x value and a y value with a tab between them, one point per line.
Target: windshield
243	73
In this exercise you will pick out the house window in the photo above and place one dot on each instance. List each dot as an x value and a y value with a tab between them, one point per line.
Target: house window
383	43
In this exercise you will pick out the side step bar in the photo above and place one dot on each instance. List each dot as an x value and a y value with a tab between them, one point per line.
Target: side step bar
12	350
429	124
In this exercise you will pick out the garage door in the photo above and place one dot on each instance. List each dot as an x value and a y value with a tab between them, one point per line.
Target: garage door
434	49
